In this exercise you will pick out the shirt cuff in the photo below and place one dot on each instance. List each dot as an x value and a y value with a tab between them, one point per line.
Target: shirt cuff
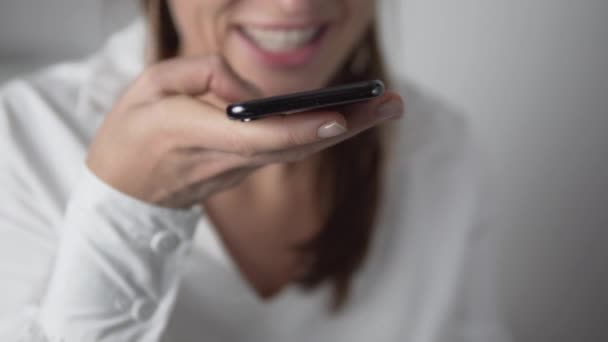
117	267
94	194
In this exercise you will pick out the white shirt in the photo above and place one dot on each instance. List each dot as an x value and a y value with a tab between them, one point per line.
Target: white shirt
80	261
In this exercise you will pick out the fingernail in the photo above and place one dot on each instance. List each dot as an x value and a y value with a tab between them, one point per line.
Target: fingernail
331	129
390	109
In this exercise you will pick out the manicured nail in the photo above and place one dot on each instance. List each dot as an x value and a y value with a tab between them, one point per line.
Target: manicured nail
331	129
390	109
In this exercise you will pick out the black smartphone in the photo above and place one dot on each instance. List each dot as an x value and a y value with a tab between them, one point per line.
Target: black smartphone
306	100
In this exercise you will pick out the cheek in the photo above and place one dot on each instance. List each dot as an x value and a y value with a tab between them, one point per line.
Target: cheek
361	13
358	16
199	24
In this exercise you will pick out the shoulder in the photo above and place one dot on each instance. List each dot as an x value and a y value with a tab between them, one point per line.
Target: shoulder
43	135
29	103
32	110
63	104
53	89
38	106
39	136
48	118
82	88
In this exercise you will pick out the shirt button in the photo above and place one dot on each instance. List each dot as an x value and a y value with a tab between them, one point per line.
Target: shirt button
142	310
164	242
120	303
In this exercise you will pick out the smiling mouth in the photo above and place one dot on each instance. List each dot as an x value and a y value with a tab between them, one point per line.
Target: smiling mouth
278	40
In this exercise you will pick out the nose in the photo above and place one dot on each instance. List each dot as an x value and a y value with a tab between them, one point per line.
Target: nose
299	6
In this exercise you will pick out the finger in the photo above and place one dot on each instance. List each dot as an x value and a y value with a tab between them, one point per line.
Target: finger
291	131
360	117
197	123
192	76
200	123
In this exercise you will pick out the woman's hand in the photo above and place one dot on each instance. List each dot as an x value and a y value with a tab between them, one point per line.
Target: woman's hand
169	142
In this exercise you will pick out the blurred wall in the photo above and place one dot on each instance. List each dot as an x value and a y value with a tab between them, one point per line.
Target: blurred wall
34	33
533	75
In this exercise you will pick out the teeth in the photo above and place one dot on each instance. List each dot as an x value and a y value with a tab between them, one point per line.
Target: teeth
278	40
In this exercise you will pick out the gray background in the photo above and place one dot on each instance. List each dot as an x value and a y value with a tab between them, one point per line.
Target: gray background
34	33
533	75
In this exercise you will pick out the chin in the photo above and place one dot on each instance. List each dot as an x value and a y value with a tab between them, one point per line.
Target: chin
275	80
292	86
277	83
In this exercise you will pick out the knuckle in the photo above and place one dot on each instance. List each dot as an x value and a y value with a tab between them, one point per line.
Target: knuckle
240	146
246	151
215	60
287	137
152	75
141	128
170	106
159	113
154	121
172	117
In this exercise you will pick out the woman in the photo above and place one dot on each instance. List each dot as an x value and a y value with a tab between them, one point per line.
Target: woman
134	210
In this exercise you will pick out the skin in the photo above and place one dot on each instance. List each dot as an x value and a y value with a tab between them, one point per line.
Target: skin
210	27
168	142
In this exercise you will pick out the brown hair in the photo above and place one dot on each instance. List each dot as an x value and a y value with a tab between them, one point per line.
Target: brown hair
353	168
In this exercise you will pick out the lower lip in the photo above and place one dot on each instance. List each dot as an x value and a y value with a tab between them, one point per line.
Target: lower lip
288	59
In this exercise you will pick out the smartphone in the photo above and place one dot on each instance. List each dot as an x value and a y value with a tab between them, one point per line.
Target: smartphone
303	101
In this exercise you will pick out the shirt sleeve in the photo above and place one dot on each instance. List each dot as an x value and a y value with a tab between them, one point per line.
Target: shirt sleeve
115	276
87	263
